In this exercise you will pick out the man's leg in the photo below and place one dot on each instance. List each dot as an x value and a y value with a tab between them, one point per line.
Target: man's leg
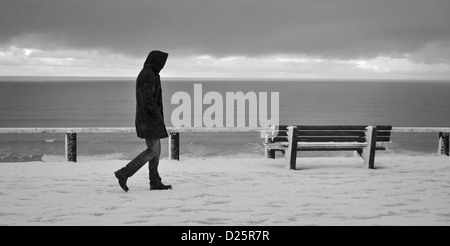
155	179
134	165
155	145
139	161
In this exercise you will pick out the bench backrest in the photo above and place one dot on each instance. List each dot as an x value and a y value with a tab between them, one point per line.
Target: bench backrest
331	133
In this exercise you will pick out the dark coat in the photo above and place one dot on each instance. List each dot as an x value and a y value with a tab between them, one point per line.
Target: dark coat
149	108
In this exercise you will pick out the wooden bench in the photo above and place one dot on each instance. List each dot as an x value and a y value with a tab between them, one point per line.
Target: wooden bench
362	139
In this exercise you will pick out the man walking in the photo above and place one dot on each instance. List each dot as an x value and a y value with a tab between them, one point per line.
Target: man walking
149	122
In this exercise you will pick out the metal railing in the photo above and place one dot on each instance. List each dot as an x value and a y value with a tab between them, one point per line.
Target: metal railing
174	135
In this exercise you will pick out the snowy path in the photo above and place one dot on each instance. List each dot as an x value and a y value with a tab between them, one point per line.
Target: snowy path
404	190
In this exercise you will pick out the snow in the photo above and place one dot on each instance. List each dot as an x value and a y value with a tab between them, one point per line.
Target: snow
403	190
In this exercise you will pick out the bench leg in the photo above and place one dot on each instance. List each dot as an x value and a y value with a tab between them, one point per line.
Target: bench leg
291	153
368	153
270	154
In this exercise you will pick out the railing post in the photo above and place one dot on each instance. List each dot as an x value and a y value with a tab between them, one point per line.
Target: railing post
71	147
174	146
444	143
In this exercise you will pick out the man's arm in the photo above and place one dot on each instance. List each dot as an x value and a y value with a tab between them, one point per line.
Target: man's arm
150	105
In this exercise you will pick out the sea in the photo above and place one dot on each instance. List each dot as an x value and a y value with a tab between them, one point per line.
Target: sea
110	102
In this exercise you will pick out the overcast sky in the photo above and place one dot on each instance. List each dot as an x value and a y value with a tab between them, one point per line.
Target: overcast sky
228	38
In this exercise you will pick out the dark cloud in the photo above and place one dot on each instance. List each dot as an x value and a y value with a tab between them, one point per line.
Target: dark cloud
323	28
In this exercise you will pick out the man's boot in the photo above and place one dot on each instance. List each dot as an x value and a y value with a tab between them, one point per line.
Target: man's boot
160	186
122	180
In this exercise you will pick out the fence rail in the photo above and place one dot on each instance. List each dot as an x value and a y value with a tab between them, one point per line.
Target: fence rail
174	135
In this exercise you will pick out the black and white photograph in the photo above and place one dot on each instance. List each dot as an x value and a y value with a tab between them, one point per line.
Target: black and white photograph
202	114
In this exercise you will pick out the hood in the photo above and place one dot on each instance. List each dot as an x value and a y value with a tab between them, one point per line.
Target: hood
156	60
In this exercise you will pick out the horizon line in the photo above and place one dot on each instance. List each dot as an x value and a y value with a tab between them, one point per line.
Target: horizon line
41	78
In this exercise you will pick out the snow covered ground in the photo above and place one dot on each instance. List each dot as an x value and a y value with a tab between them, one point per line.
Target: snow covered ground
403	190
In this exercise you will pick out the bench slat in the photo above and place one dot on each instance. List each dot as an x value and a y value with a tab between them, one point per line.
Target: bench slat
325	133
331	144
331	139
324	127
340	127
332	133
383	139
384	134
322	139
384	128
312	147
328	148
338	149
318	144
335	133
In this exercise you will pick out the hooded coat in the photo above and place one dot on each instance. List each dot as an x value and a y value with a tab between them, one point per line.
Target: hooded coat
149	108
